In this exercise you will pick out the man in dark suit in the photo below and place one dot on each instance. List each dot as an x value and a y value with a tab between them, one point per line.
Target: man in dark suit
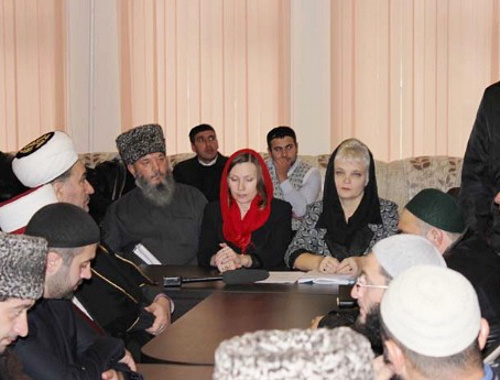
61	345
22	274
203	171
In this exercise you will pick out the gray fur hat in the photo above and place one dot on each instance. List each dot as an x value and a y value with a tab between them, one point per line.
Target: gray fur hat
22	266
338	354
140	141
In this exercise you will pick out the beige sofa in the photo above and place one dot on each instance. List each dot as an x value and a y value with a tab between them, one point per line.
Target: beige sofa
397	180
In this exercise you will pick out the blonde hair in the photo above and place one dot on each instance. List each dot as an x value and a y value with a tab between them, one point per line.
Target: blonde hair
354	150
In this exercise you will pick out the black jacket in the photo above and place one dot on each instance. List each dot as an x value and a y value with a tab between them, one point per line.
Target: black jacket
169	232
116	295
481	169
11	368
204	178
268	244
476	260
60	346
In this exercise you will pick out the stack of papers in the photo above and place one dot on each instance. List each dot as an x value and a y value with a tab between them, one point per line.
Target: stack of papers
309	277
282	278
145	255
326	278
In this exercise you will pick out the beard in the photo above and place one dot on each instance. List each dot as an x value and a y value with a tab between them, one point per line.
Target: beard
160	194
371	329
59	287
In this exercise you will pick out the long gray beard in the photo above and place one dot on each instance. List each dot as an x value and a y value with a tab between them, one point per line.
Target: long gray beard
161	194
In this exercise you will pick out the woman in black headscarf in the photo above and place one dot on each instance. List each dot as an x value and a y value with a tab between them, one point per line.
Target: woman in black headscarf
350	219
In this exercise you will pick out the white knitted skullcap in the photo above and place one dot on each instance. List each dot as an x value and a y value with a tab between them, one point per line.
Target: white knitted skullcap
338	354
44	159
432	311
17	212
400	252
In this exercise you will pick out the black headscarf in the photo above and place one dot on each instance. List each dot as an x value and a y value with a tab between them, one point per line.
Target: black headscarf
333	218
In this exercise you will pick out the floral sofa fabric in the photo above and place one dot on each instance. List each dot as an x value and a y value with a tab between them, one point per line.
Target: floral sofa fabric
397	180
401	180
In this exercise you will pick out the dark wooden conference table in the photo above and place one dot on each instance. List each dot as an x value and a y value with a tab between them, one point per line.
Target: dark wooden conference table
208	313
174	372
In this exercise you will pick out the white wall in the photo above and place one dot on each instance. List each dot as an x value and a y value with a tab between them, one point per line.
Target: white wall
310	75
93	117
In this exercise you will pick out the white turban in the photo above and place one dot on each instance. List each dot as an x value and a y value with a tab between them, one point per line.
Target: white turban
17	212
44	159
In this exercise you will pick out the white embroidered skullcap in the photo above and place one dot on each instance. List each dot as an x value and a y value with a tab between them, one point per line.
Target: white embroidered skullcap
44	159
17	212
432	311
400	252
317	354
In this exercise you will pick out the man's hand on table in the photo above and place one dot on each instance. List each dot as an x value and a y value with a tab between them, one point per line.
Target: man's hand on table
160	308
315	321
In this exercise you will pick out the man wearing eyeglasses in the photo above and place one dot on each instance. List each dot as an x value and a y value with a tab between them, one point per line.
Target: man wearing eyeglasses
388	258
204	170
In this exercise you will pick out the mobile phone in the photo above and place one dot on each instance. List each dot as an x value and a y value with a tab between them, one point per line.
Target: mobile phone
344	300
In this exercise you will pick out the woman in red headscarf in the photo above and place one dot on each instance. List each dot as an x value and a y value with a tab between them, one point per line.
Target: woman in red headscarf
247	228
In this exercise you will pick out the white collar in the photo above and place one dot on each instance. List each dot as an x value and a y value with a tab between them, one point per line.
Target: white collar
208	163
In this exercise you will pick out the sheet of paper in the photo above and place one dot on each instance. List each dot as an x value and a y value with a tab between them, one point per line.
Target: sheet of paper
145	255
326	278
282	277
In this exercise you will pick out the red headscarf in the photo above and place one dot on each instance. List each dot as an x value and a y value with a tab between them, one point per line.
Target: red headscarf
237	230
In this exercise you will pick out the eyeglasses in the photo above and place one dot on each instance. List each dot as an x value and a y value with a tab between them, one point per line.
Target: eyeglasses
359	285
